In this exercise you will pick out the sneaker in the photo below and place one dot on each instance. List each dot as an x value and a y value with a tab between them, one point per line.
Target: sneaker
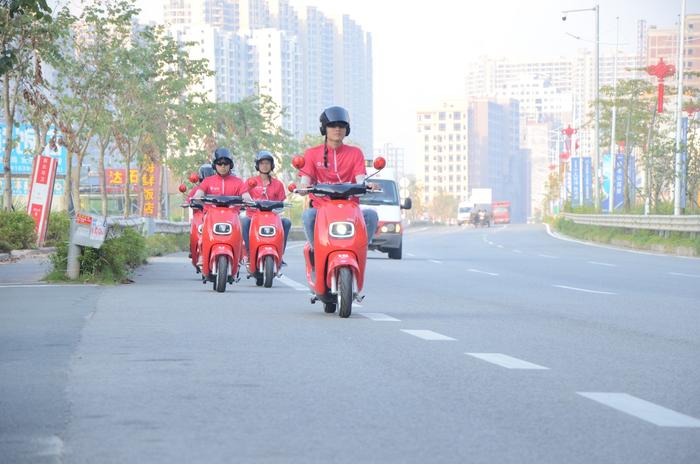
283	263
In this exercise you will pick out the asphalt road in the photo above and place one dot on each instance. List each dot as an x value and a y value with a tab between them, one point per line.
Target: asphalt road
500	345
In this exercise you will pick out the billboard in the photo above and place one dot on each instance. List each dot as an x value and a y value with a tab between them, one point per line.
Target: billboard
24	144
41	194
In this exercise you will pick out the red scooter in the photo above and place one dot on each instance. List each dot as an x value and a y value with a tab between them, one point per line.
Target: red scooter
195	228
222	242
336	275
266	241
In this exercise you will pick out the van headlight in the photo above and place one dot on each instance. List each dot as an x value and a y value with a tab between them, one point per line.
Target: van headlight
390	227
267	231
342	229
222	228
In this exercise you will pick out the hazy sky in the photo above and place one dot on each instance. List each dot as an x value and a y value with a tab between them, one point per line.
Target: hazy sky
421	49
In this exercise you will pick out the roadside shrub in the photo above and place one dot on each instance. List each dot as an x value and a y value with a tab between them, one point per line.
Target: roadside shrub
5	246
17	229
58	229
161	244
110	263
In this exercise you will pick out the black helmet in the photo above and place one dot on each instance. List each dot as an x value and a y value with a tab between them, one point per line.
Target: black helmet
264	155
205	171
334	114
222	153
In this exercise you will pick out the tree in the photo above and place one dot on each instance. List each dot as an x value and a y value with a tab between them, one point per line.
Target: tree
26	31
444	205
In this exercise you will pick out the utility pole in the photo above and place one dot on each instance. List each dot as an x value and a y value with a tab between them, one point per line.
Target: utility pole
679	114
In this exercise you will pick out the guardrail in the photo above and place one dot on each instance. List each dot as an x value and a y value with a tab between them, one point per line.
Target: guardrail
663	223
147	226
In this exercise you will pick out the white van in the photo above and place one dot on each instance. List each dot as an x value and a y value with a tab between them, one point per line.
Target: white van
389	235
464	212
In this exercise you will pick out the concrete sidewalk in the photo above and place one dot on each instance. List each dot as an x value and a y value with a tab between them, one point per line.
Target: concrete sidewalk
25	266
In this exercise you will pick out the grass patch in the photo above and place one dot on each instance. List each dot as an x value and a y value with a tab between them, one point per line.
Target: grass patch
632	238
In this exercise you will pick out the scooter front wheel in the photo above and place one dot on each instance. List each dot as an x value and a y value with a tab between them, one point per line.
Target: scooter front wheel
221	273
268	270
344	292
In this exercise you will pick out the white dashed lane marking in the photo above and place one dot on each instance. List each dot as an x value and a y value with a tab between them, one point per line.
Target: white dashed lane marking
483	272
379	317
435	261
506	361
585	290
645	410
697	276
602	264
547	256
428	335
295	285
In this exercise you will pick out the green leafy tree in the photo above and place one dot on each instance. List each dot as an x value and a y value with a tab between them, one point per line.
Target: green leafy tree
27	31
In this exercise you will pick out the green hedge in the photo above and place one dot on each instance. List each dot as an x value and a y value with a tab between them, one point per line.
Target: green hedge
161	244
111	263
58	230
16	230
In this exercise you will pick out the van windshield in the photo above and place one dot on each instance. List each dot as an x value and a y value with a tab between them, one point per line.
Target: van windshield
389	195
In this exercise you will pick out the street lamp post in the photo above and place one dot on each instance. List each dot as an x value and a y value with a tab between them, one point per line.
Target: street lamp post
596	144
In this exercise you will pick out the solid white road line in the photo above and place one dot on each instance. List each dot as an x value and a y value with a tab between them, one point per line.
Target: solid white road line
597	263
483	272
379	317
506	361
542	255
584	290
168	259
34	285
295	285
684	275
428	335
642	409
435	261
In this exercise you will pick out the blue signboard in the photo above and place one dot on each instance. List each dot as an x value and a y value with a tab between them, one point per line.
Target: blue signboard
24	144
607	181
619	181
20	186
587	181
632	179
575	184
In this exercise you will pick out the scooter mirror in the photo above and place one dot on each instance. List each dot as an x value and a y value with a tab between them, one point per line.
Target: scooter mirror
252	183
182	188
298	162
194	178
379	163
292	187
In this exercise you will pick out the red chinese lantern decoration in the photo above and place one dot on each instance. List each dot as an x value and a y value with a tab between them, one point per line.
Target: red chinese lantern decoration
661	70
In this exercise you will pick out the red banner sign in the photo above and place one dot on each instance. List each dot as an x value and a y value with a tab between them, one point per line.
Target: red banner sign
41	194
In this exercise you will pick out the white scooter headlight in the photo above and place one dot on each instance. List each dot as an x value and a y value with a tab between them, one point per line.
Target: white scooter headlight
342	229
222	228
199	229
267	231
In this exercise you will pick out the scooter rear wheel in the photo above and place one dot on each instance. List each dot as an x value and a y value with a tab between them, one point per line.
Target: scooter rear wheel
269	270
221	273
344	292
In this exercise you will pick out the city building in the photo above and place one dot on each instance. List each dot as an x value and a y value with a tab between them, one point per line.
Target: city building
305	62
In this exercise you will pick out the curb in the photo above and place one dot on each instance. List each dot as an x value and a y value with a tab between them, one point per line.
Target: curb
20	254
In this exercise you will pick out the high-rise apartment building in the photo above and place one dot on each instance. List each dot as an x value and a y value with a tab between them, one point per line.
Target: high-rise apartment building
442	148
304	62
663	43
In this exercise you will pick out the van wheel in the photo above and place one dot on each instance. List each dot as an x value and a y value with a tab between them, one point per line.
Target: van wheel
396	253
